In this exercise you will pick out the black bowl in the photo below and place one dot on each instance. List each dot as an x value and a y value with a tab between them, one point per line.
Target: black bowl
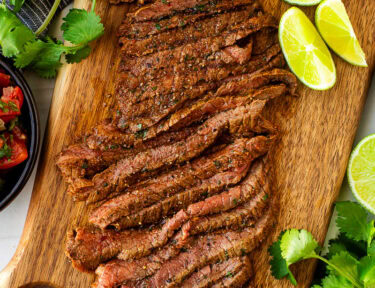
16	178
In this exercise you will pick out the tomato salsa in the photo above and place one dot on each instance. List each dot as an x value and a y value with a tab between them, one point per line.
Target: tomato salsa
13	149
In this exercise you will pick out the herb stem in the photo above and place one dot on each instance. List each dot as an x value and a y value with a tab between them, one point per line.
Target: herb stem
93	5
49	17
342	273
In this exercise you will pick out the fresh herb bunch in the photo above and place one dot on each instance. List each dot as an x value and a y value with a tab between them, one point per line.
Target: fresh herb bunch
350	261
43	54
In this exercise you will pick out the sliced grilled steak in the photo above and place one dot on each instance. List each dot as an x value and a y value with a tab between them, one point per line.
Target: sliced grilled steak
243	119
209	27
90	247
157	105
185	177
193	52
207	249
245	82
147	28
235	280
158	10
209	187
217	273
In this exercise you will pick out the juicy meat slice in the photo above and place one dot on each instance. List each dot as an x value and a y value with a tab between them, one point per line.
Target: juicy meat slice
209	187
193	52
157	105
236	280
125	172
216	273
89	247
245	82
209	27
147	28
168	184
158	9
205	250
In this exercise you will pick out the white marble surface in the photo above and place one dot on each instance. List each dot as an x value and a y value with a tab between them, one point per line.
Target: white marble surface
12	219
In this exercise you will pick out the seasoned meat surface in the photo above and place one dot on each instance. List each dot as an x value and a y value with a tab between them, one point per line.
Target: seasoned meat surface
178	183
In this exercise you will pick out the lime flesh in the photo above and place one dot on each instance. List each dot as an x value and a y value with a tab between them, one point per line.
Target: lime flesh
361	172
305	51
337	31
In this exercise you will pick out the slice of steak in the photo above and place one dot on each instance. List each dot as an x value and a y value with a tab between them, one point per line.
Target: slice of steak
159	10
264	39
147	28
207	249
236	280
193	52
245	82
155	107
209	27
212	186
255	181
218	272
170	183
125	172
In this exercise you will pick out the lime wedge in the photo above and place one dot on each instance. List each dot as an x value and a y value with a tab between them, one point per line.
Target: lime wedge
303	2
334	25
305	51
361	172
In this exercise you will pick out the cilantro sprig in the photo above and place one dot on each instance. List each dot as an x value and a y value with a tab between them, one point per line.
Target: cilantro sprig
44	54
350	261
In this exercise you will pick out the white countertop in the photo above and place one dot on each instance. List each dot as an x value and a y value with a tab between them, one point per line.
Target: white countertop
13	217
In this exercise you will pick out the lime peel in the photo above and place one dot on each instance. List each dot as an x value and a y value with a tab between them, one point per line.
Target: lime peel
303	2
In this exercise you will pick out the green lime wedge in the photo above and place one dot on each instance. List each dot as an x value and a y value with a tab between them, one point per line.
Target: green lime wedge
303	2
334	25
305	52
361	172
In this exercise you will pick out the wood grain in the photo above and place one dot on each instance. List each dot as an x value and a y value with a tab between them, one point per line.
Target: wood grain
318	130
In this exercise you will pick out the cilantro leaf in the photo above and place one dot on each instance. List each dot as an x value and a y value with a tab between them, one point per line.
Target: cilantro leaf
297	245
79	55
335	248
81	26
371	249
42	56
279	268
352	220
366	270
13	33
17	4
346	263
335	281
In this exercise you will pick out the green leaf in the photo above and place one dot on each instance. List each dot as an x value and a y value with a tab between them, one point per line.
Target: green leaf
81	26
335	248
371	249
79	55
346	263
366	270
17	4
42	56
352	220
297	245
279	268
13	33
335	281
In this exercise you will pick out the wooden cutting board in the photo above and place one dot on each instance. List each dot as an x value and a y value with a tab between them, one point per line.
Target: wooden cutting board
318	130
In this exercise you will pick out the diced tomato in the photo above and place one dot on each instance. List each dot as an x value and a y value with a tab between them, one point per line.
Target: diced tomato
17	143
11	103
4	80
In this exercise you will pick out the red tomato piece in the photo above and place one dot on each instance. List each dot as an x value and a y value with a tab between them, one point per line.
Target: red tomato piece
11	103
18	149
